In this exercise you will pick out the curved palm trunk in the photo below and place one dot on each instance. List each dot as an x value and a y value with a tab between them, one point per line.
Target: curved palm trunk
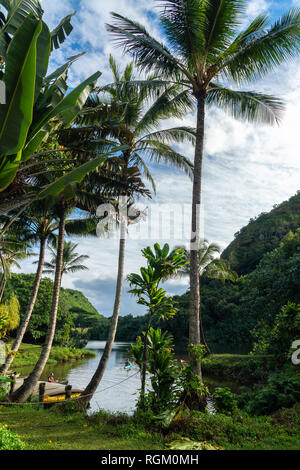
194	319
24	392
24	324
97	377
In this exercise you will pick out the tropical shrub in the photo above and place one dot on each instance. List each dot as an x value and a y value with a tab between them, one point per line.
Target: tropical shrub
9	316
224	401
286	329
9	440
281	391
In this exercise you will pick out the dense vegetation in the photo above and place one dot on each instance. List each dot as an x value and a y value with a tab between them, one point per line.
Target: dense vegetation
76	315
263	234
63	151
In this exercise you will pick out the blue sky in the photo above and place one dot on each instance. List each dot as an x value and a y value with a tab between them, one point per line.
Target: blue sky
247	169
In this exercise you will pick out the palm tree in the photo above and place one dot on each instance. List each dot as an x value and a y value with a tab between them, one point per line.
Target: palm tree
11	251
206	52
64	203
37	224
71	262
131	116
210	267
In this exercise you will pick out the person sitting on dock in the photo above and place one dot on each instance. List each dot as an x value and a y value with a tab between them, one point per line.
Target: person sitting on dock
51	378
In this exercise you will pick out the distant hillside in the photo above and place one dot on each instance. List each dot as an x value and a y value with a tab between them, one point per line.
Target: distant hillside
75	318
83	313
262	234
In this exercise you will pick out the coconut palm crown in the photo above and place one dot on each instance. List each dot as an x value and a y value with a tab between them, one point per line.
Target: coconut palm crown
72	261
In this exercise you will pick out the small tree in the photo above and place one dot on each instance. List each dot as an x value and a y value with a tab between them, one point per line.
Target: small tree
161	264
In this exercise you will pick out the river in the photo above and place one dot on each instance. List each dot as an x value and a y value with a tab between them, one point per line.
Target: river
118	390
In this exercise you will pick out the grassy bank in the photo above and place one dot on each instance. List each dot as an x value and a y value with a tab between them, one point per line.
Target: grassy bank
243	368
28	354
55	430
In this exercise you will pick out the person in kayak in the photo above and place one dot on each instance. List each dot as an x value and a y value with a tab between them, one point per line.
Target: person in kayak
127	363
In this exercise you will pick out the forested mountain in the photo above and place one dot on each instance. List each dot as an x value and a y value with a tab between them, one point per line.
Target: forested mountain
76	315
262	235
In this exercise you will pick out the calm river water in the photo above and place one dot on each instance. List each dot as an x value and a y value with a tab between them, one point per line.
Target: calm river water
111	395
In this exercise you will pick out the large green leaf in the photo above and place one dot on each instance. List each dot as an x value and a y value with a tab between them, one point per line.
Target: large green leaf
63	30
18	10
43	55
68	108
62	69
9	168
19	78
77	175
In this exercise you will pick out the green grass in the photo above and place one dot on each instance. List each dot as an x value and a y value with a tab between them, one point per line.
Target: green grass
53	429
28	354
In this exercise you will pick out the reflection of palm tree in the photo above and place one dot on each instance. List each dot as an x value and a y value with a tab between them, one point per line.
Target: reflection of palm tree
71	262
209	267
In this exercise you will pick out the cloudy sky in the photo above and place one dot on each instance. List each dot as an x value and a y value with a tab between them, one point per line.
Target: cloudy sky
247	169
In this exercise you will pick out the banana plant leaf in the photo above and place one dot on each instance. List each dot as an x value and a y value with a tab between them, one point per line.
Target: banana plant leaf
68	108
19	78
77	175
63	30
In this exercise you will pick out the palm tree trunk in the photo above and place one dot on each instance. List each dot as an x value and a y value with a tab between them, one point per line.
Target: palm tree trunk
24	392
144	366
194	319
3	279
97	377
24	324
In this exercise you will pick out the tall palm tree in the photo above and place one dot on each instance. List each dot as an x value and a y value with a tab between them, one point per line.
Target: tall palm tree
211	267
131	115
71	263
64	203
37	224
206	52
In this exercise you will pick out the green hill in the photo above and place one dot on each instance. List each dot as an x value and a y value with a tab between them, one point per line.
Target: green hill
75	318
262	235
83	312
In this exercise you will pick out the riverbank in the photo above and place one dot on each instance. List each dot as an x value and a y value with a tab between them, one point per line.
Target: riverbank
57	430
28	355
245	369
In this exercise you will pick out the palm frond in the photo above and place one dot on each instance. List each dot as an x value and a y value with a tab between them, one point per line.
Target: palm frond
172	103
264	51
162	153
173	135
149	53
184	23
223	19
247	105
140	163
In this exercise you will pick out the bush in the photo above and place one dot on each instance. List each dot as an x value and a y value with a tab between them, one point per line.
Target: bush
224	401
282	391
9	440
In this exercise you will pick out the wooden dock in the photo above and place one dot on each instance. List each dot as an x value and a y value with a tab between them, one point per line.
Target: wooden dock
50	392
